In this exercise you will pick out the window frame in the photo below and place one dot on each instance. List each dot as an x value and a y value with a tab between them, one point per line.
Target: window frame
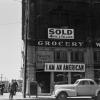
60	56
77	56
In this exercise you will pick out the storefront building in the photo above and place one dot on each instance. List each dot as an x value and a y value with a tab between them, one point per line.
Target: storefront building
63	41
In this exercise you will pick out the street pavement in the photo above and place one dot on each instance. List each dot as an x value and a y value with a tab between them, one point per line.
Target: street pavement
19	96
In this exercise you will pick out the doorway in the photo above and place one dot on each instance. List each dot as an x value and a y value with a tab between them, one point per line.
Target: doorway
43	79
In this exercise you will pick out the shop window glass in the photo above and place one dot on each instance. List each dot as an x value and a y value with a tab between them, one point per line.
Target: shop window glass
97	76
77	56
60	56
60	78
97	56
76	75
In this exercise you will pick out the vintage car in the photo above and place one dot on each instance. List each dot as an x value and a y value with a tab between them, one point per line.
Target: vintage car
82	87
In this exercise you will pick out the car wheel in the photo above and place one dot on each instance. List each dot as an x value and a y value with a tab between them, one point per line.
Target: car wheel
62	96
98	96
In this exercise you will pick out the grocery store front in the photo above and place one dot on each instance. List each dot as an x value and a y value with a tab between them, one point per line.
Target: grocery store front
58	73
59	65
65	72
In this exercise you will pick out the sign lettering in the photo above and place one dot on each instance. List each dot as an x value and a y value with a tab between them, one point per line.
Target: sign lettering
64	67
57	33
60	43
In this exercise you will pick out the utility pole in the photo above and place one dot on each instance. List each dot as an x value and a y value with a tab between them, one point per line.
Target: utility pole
25	44
25	66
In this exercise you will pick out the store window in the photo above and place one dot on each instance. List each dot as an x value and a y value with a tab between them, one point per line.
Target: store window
60	56
97	56
77	56
61	78
77	75
97	75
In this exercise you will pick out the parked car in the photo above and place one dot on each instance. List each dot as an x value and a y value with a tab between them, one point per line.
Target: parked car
82	87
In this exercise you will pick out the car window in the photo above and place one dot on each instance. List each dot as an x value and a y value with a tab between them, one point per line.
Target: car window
84	83
76	82
81	83
91	83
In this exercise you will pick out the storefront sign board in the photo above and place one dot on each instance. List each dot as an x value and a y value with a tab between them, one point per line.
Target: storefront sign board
64	67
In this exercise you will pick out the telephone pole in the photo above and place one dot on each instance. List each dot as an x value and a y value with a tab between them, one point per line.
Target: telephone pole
26	31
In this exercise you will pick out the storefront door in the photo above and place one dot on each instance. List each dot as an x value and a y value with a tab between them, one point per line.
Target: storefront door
43	79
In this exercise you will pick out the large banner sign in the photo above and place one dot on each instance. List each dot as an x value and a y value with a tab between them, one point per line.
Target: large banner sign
64	67
58	33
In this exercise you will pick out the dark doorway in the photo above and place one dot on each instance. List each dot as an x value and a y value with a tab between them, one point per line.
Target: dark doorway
43	79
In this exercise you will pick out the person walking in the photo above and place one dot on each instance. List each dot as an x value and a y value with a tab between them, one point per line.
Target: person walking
2	88
15	87
11	90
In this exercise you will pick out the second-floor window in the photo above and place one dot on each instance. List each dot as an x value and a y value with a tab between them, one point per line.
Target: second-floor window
60	56
97	56
77	56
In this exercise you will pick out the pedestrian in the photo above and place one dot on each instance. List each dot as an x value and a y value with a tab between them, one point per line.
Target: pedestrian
2	88
11	89
15	87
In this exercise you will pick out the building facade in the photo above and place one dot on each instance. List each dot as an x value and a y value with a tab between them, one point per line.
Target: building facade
63	41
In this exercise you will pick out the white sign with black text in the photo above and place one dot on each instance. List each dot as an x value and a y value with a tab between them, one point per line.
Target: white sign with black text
64	67
58	33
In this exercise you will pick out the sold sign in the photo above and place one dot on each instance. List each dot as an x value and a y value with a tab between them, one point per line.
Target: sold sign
57	33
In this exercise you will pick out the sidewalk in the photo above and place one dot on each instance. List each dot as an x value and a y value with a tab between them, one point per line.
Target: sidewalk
19	96
6	96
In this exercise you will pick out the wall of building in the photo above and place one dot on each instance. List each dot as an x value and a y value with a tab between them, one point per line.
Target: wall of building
80	17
